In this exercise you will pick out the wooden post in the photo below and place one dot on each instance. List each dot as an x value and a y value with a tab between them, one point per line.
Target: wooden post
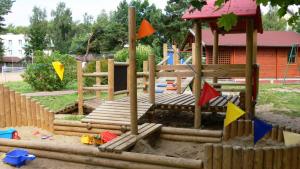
13	108
152	79
227	157
280	134
217	156
298	157
18	108
2	104
237	158
226	132
33	113
249	60
145	69
194	62
165	52
111	79
8	121
132	63
80	87
295	155
254	61
274	133
241	128
287	158
258	158
98	79
38	114
215	52
248	158
208	156
198	66
42	113
233	130
268	158
128	76
51	121
24	111
277	158
178	84
175	55
28	111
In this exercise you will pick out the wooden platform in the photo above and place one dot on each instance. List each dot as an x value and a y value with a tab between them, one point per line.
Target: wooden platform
115	112
125	141
185	82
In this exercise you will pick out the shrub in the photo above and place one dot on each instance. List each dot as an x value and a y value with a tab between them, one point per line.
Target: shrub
42	76
90	68
142	53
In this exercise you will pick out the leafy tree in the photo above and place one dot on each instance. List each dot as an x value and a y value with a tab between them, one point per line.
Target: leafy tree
61	28
272	22
17	29
5	6
37	35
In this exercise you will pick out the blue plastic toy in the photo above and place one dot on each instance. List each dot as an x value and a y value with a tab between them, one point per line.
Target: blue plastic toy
161	85
7	133
159	91
18	157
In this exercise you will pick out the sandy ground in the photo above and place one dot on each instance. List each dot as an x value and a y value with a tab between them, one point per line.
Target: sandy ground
9	77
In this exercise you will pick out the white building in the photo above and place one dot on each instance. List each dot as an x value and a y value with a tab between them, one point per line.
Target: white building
13	45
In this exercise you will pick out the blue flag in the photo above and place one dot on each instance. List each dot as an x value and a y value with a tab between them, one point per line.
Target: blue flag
261	128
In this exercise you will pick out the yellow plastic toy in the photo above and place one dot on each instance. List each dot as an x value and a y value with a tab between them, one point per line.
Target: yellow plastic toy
88	139
2	156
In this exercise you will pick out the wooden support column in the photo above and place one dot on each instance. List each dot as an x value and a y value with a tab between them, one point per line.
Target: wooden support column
98	79
178	84
254	61
80	87
165	52
111	79
175	55
132	63
193	61
198	65
145	69
152	79
2	112
215	52
249	60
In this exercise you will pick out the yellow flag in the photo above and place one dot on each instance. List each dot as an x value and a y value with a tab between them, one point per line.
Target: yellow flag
59	69
291	138
233	113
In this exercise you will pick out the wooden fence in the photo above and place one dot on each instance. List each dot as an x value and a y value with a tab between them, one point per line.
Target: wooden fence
19	110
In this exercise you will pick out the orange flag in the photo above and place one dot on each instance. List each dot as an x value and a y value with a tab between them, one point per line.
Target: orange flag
146	29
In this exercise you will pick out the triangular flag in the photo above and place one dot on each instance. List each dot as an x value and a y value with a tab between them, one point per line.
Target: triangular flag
59	69
146	29
261	128
207	94
233	113
291	138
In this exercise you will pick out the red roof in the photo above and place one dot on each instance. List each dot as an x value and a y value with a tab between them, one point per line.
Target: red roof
267	39
242	8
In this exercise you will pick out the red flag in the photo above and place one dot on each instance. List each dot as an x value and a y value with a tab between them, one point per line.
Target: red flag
207	94
146	29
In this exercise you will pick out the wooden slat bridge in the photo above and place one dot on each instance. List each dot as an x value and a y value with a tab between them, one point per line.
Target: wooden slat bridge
127	140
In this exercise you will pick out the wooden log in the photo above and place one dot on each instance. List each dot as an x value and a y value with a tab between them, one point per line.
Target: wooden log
51	120
175	55
274	133
294	155
208	156
8	120
23	112
151	79
193	61
287	158
132	63
145	78
198	66
249	63
237	158
280	134
111	79
241	128
199	139
298	164
215	52
248	158
28	112
217	156
13	108
18	108
248	127
268	158
278	155
86	125
91	151
190	132
95	74
80	87
226	133
165	53
98	79
38	114
2	109
258	158
33	113
178	84
43	120
84	130
227	157
233	130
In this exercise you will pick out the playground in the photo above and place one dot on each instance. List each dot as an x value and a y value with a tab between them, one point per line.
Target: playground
179	113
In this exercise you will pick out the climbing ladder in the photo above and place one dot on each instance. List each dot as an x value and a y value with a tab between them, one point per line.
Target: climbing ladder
292	55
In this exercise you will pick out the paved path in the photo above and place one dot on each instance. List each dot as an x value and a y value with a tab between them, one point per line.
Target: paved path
53	93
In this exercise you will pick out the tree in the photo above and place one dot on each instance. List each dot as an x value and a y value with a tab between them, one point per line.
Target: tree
271	21
5	6
37	35
61	28
17	29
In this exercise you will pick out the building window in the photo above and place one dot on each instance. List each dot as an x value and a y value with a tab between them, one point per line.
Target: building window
10	42
20	42
291	58
10	52
20	52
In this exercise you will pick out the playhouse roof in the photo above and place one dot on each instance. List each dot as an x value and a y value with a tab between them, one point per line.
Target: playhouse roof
242	8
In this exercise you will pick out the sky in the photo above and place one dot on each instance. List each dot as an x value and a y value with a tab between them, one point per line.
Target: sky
22	9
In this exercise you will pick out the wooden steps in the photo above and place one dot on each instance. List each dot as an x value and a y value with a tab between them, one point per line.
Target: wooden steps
127	140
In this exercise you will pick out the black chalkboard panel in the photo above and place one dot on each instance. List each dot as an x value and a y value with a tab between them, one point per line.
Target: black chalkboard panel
120	77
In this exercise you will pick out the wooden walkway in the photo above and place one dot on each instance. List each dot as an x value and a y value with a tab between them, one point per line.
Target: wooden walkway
115	112
127	140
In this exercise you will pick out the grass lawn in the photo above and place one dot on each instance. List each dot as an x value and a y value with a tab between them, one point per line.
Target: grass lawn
19	86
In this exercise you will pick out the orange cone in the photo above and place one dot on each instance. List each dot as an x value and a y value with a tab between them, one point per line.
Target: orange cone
146	29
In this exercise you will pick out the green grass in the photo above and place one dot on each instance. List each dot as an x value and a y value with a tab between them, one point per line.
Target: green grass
20	86
74	117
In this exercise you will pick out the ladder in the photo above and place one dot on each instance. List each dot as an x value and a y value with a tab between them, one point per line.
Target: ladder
293	54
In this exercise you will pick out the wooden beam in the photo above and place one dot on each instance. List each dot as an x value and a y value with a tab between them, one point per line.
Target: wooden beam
215	52
249	63
165	52
198	63
178	84
132	63
96	74
80	87
98	79
176	74
145	69
175	55
111	79
152	79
